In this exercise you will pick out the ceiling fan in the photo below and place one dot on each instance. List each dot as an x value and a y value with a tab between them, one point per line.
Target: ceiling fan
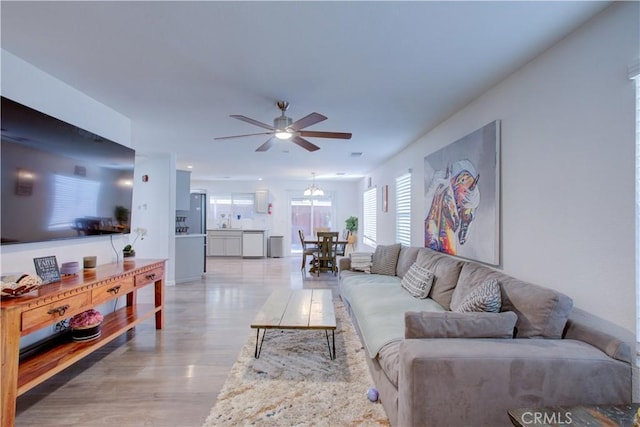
285	129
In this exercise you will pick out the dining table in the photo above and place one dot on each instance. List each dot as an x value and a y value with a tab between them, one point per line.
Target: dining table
341	244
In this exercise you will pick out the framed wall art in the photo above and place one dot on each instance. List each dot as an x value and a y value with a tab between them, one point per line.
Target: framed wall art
462	195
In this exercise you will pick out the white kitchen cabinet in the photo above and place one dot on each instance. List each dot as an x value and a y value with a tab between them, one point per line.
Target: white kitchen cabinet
253	244
261	201
183	189
224	243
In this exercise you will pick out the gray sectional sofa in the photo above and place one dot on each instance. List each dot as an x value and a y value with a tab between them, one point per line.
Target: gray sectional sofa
436	367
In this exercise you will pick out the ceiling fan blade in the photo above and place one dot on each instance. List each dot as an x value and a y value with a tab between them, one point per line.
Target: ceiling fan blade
240	136
306	121
252	121
267	145
318	134
304	143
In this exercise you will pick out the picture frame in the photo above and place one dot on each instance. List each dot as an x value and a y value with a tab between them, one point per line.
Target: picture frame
47	269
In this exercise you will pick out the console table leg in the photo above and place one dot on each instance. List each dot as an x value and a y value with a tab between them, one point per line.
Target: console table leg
9	359
159	302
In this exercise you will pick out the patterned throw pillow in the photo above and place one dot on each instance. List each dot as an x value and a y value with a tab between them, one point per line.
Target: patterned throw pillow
484	297
361	261
385	259
417	281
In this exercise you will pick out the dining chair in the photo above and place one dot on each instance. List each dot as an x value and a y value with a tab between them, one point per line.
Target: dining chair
307	248
325	257
317	230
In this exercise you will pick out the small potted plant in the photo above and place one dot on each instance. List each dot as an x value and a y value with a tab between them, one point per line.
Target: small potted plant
351	224
128	250
85	326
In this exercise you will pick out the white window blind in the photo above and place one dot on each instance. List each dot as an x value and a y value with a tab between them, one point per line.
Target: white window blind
403	209
370	208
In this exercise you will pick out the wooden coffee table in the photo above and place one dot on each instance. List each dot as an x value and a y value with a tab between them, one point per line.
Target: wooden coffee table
297	309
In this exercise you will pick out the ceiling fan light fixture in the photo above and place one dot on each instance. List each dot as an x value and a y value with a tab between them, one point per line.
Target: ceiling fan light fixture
283	134
314	190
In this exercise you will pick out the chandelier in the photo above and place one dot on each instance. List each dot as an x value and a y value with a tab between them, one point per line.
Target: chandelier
314	190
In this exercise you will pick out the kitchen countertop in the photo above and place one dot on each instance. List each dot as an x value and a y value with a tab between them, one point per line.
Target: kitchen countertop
190	235
236	229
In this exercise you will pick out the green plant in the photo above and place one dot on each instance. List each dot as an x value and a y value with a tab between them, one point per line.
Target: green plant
351	224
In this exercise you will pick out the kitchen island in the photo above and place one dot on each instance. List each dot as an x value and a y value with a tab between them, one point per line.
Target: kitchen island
190	257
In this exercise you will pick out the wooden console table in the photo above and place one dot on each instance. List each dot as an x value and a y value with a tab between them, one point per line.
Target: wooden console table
57	301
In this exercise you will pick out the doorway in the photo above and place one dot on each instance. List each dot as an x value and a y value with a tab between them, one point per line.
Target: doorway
307	214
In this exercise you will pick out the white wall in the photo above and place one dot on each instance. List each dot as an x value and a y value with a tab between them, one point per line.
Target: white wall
568	141
154	205
345	199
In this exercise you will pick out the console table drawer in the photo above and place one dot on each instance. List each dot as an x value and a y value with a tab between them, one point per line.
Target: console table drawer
149	276
54	312
112	290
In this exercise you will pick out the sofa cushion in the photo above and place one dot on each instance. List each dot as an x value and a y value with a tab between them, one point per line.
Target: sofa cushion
542	312
378	304
486	296
446	270
407	257
361	261
459	325
385	259
418	281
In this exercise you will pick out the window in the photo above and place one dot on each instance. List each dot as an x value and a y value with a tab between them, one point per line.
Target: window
636	77
225	207
370	208
403	209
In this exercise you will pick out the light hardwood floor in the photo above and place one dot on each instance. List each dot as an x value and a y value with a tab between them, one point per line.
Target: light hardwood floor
169	377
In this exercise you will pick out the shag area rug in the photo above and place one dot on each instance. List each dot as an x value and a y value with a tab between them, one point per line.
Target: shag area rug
295	383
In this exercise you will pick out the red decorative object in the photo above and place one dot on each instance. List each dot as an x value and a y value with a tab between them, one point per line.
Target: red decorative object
85	326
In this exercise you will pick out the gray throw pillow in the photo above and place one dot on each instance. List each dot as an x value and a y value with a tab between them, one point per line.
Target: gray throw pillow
449	324
385	259
417	281
484	297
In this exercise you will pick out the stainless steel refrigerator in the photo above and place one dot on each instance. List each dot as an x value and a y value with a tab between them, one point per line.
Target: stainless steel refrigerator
196	219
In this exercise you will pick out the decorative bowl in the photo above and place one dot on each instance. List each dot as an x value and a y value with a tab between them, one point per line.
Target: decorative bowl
18	284
86	326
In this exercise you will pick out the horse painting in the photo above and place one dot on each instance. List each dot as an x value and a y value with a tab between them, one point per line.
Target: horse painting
454	199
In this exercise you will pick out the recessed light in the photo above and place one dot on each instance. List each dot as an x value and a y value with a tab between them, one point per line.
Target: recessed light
189	166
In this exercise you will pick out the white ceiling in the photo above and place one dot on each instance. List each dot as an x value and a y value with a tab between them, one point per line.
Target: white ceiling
386	71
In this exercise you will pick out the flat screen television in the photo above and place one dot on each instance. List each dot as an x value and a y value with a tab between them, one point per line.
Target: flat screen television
60	181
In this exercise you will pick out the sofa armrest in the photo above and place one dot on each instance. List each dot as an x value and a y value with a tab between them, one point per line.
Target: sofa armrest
344	263
614	340
467	381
